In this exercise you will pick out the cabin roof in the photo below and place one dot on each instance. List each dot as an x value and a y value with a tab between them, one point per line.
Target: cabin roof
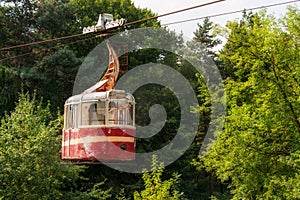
111	94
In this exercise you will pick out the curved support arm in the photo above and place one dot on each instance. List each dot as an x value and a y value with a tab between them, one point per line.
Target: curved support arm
111	75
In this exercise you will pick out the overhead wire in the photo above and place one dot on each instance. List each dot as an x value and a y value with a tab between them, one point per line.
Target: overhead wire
229	13
171	13
126	24
143	20
60	45
40	42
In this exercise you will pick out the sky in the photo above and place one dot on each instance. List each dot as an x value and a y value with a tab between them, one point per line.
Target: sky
165	6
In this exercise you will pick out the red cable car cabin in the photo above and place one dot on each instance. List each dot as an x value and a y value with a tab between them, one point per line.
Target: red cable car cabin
99	126
99	123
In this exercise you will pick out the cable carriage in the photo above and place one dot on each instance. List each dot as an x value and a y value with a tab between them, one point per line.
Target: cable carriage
99	124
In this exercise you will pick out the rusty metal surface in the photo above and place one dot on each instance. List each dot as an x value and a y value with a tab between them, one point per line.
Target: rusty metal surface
112	72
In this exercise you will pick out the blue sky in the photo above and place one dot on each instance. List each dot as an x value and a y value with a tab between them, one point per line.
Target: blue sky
165	6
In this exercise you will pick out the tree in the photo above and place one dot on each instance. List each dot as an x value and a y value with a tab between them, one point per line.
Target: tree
9	85
258	151
235	33
200	52
31	169
204	34
155	188
38	67
47	15
28	21
55	74
17	24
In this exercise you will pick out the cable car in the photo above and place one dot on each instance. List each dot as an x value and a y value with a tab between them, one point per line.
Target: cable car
99	126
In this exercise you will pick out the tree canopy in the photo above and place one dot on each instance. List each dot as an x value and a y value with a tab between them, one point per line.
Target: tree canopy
31	169
258	151
255	156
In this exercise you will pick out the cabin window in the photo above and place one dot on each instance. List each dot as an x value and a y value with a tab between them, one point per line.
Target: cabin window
113	112
93	113
71	116
74	116
120	112
66	124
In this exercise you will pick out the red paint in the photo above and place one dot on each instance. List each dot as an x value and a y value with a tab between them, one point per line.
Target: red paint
81	145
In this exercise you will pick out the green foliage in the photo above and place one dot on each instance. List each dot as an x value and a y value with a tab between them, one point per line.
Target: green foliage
204	34
50	68
201	185
257	154
155	187
49	11
27	21
29	153
55	74
258	151
121	195
31	169
97	193
9	85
